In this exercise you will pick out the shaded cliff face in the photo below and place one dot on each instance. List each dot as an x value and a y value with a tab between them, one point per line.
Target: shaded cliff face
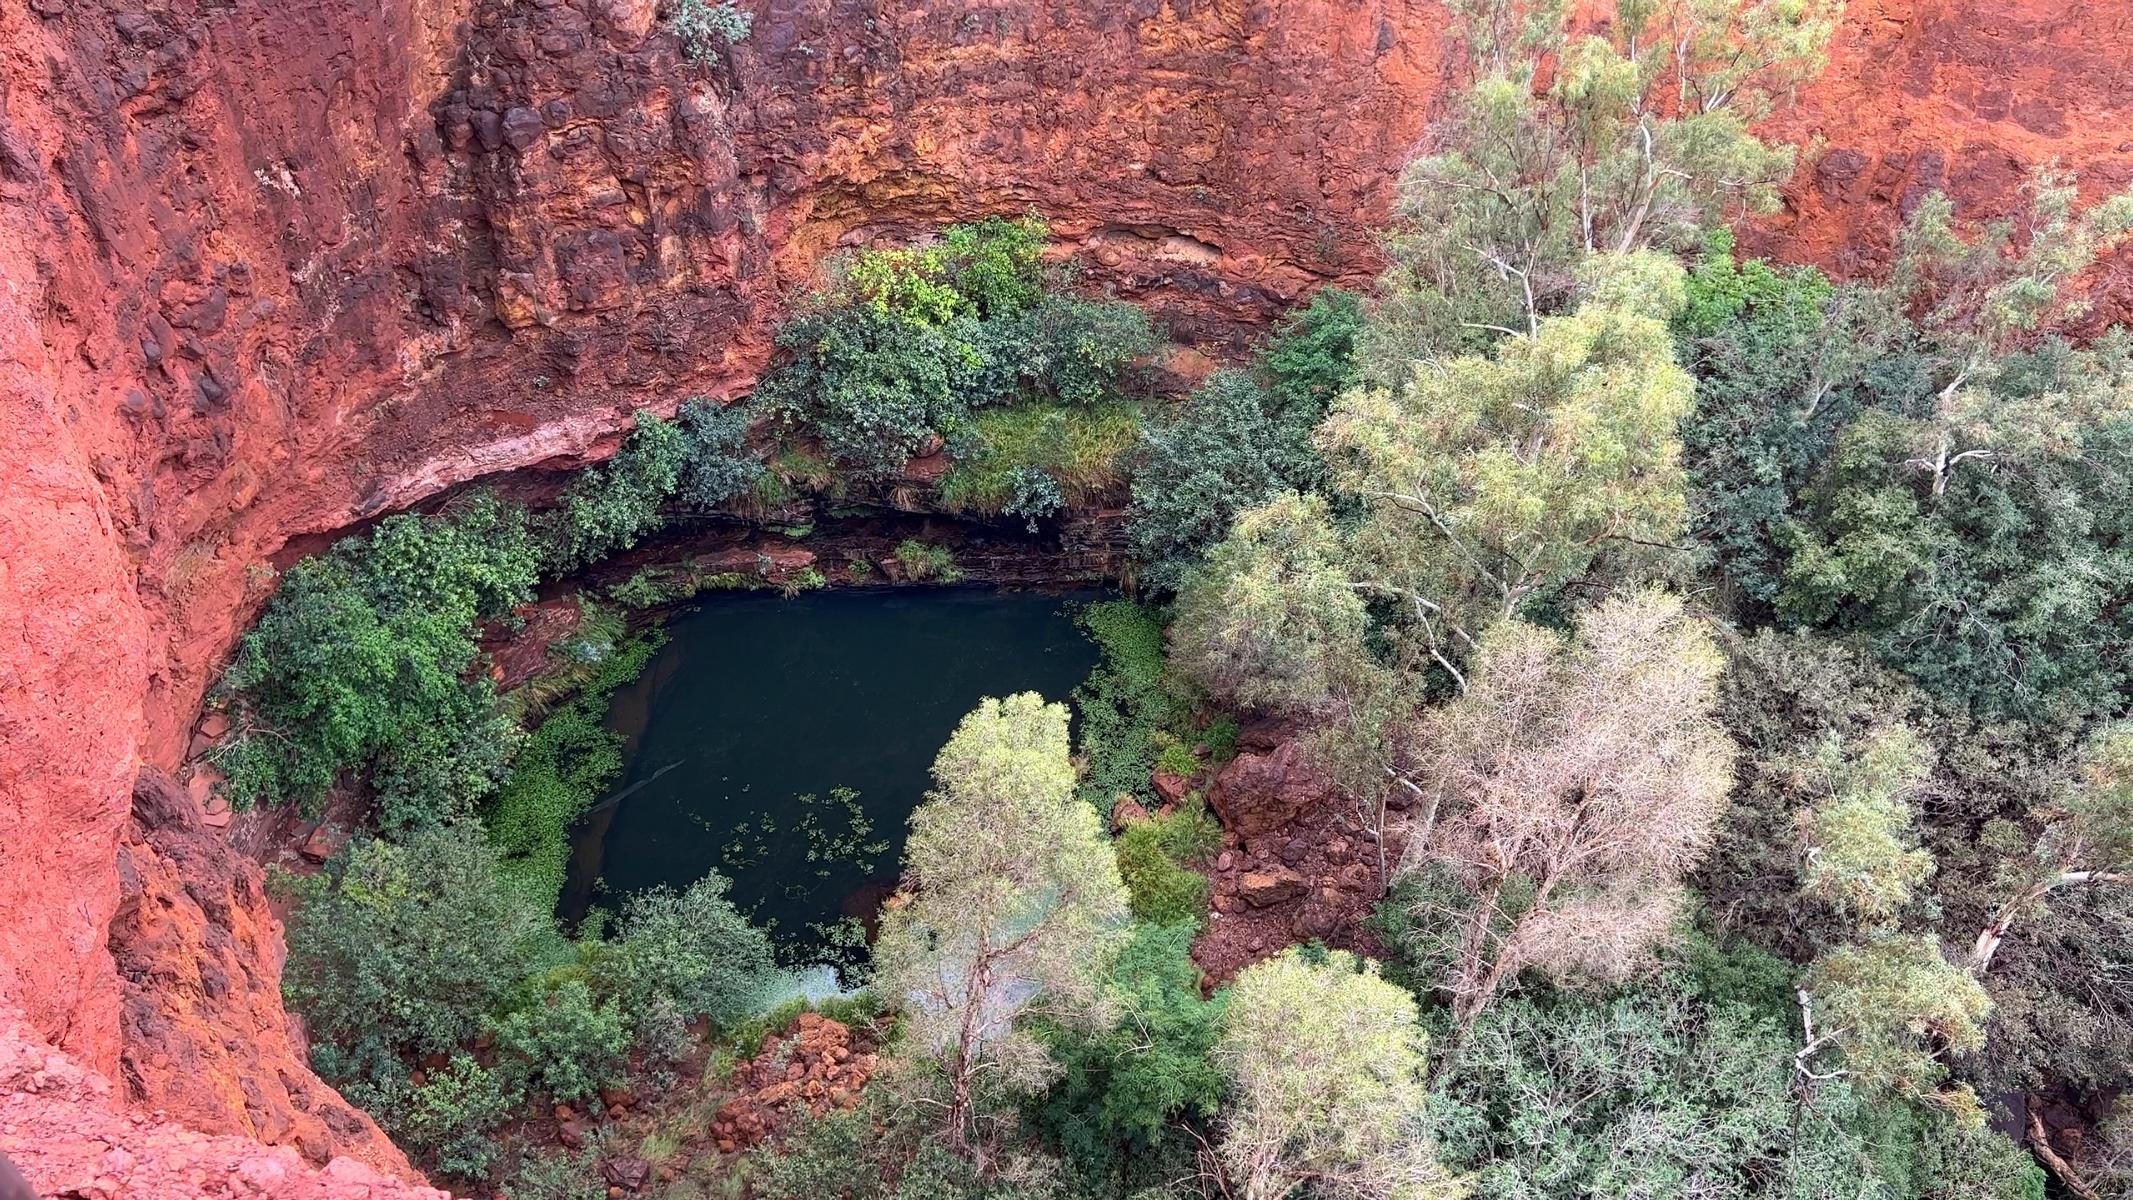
272	266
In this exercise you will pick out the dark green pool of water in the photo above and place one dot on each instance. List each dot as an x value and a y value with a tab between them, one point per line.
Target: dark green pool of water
758	700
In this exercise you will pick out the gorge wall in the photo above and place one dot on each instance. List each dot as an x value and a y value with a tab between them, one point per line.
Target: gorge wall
275	266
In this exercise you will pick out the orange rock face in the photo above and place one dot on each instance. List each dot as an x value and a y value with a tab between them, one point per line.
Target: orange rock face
61	1127
267	269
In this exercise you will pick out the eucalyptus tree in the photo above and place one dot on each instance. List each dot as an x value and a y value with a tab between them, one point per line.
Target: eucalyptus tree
1015	910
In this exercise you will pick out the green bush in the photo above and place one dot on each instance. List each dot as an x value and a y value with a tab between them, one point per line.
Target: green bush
1115	1113
405	948
363	656
1224	450
916	346
704	25
1075	351
1123	704
1154	858
556	1174
717	465
451	1119
563	1044
2005	594
1752	335
1159	890
874	387
1241	437
689	952
1311	357
608	507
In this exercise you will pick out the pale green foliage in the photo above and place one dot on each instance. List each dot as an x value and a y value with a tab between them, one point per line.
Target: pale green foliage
1523	181
1490	479
704	25
1988	284
1018	909
2096	830
1326	1062
1982	293
1893	1000
1270	617
1575	783
1861	854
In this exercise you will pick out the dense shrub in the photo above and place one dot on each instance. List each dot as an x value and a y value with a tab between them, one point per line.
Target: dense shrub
362	658
1684	1085
451	1118
1753	336
406	947
689	953
1311	357
1155	858
1241	437
910	349
2006	591
1114	1113
1226	449
1123	704
717	465
924	560
564	1044
610	506
700	457
874	387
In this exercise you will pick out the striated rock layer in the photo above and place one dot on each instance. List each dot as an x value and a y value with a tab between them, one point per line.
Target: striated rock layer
271	267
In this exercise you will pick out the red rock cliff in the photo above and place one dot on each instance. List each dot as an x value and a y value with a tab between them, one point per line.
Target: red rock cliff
272	266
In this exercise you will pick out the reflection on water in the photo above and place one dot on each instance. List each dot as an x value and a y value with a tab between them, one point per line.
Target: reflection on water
784	742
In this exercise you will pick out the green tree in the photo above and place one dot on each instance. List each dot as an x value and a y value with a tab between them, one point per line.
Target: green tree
1889	1004
688	953
1859	850
1121	1090
1493	480
564	1043
2004	590
406	947
1220	452
2089	840
1017	908
1325	1061
362	658
1271	620
1526	177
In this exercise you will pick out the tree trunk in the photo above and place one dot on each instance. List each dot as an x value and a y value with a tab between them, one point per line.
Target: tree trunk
1989	939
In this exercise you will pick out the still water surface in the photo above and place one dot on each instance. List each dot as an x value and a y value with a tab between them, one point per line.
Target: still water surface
759	701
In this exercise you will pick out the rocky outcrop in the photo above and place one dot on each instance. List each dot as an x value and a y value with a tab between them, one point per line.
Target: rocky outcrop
272	268
1268	787
199	955
809	1070
63	1128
